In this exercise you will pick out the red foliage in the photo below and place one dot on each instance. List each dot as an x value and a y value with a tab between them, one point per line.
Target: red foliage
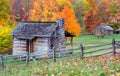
91	20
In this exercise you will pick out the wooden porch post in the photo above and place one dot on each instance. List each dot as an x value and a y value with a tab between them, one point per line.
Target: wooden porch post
28	52
54	54
72	43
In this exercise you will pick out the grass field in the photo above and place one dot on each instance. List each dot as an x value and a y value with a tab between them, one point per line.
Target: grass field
107	65
91	40
97	66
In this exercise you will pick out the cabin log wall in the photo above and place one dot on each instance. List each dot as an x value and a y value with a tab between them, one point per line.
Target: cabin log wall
19	47
41	47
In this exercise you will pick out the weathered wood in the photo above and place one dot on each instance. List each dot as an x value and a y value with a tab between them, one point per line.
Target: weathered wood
81	51
118	45
73	49
19	42
72	43
113	46
54	54
41	40
27	59
2	61
19	49
28	51
117	41
98	50
31	46
99	54
19	45
41	46
100	45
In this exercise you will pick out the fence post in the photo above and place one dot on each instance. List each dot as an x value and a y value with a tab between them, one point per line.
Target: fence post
54	55
81	51
2	59
113	46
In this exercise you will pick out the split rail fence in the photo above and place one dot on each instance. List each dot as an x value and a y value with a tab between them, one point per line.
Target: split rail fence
82	52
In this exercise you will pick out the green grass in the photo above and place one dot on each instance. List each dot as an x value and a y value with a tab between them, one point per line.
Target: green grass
91	40
97	66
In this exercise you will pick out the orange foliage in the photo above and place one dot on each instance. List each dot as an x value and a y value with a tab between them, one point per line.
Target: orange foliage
91	20
49	10
45	10
4	12
2	22
103	10
92	3
99	12
71	24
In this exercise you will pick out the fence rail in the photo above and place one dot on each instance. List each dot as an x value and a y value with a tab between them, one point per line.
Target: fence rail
100	45
81	51
103	49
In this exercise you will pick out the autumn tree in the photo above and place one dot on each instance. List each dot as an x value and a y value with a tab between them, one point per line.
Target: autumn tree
4	12
103	10
5	29
81	7
71	24
5	38
99	13
20	9
115	7
63	3
73	1
43	10
91	20
49	10
92	3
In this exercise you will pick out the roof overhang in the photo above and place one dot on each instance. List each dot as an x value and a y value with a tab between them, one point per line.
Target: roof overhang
68	34
29	37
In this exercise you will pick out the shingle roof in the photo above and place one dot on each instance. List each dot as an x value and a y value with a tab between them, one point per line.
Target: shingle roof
29	30
118	29
106	27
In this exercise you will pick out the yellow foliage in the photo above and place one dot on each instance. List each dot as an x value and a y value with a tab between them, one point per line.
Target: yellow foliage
86	3
43	10
49	10
63	3
5	38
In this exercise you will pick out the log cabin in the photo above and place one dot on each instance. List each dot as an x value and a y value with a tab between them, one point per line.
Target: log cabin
118	30
39	38
103	30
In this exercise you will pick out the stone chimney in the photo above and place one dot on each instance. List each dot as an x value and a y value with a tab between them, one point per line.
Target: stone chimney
60	43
